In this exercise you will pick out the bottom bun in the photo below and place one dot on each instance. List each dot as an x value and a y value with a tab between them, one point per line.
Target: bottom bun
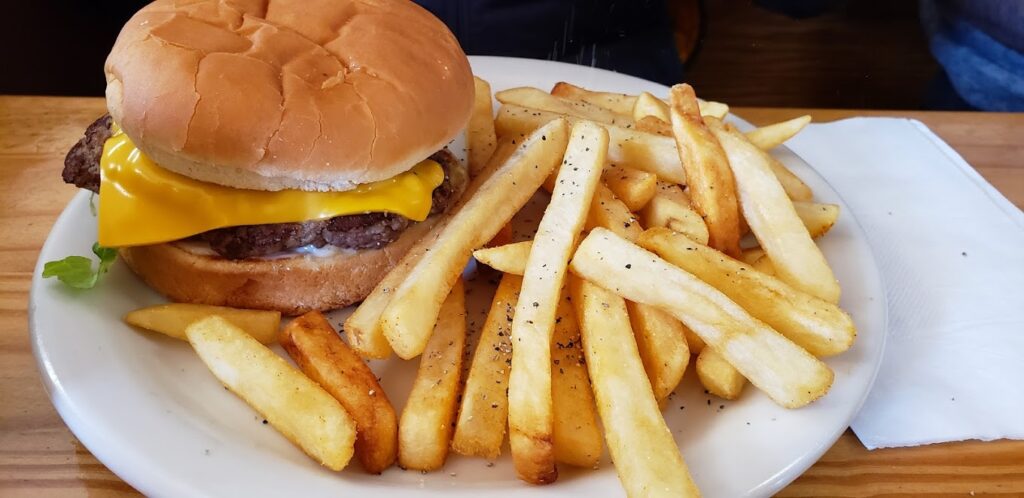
291	285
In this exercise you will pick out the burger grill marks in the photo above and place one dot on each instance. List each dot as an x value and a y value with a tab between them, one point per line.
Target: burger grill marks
356	231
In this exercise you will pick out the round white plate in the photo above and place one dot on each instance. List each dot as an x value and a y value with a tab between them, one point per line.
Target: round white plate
149	410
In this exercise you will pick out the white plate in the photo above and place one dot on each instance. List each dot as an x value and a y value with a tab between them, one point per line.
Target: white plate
150	411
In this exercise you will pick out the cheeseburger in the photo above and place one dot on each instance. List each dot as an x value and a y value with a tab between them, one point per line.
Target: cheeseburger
278	155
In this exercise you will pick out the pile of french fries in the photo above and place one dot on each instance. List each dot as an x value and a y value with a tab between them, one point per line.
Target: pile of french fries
642	258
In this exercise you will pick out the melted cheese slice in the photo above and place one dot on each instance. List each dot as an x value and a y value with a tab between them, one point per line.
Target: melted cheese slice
142	203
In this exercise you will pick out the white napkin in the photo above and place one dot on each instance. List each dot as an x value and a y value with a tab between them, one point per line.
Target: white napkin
951	253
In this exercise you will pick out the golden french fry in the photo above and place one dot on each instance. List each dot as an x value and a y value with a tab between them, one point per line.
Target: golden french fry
606	211
172	319
425	429
645	454
321	354
718	376
619	103
708	176
632	186
764	265
795	188
293	404
483	414
664	211
409	316
651	124
662	344
576	434
713	109
531	418
503	237
363	326
509	258
791	376
649	105
628	147
693	341
773	220
751	255
622	103
535	98
674	192
773	135
506	147
816	325
818	218
609	212
480	137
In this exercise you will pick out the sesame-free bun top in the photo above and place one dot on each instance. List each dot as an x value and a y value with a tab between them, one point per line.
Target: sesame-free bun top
288	94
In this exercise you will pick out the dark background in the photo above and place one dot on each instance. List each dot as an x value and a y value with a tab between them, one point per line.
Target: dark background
857	54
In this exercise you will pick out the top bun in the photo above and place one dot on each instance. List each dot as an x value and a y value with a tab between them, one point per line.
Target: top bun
288	94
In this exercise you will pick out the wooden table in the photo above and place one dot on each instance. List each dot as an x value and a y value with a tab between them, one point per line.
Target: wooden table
38	455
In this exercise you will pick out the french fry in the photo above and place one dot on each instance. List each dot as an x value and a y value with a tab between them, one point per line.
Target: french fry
293	404
409	316
321	354
816	325
363	326
531	418
609	212
535	98
718	376
651	124
751	255
693	341
632	186
505	148
818	218
483	414
663	211
673	192
425	429
773	220
509	258
622	103
708	176
795	188
662	344
628	147
503	237
713	109
576	434
764	265
606	211
480	137
773	135
789	375
619	103
172	319
649	105
645	454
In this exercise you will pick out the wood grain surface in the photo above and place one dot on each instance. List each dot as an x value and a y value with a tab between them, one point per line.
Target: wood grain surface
40	457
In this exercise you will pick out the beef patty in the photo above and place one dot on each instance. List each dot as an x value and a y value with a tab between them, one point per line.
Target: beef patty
354	231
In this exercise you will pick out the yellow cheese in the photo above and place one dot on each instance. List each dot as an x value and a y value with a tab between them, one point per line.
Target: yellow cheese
142	203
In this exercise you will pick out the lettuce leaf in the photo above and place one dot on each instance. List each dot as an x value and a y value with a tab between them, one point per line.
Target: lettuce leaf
77	271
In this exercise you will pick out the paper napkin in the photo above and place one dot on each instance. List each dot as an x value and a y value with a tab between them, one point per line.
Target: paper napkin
950	249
